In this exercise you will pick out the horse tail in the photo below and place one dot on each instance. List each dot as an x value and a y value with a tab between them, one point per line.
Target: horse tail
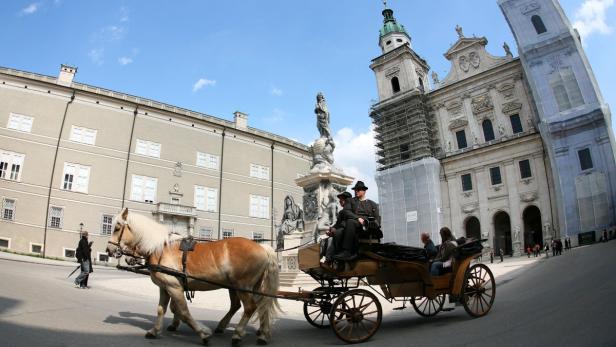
268	306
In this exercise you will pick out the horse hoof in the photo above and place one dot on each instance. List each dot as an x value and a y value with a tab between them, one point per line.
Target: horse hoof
261	341
149	335
172	328
205	341
236	342
219	331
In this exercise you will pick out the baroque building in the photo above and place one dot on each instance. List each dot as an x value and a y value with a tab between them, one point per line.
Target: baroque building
72	155
472	152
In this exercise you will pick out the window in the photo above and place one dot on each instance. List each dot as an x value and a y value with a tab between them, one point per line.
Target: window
69	253
106	226
55	217
565	89
257	236
488	131
205	198
467	182
516	124
259	206
102	257
585	159
76	177
10	165
538	24
259	171
495	175
395	85
83	135
8	209
20	122
208	161
36	248
388	42
398	40
525	169
205	233
227	233
149	148
461	137
143	188
5	243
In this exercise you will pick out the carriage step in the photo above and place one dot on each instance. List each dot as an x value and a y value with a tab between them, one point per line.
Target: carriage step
448	309
399	308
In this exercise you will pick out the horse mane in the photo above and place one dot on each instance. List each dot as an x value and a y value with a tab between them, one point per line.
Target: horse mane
150	236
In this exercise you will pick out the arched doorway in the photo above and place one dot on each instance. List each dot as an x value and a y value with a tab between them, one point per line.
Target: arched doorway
473	228
533	234
502	233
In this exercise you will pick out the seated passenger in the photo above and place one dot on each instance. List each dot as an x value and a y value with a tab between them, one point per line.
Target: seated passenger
444	256
335	232
428	245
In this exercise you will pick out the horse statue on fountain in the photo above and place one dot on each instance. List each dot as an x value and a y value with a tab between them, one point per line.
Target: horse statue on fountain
242	266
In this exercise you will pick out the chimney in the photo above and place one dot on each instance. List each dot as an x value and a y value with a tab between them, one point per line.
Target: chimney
241	120
66	75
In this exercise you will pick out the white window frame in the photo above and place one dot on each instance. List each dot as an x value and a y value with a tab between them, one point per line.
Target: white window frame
8	240
80	177
36	244
259	171
20	122
206	198
83	135
102	231
141	193
98	257
209	229
12	210
258	206
64	249
148	148
227	231
61	217
207	160
11	165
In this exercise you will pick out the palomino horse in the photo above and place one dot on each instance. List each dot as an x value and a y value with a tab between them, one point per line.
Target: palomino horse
233	263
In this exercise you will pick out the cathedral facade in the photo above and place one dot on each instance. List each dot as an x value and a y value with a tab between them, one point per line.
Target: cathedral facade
474	152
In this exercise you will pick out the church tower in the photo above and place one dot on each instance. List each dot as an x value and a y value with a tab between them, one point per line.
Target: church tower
408	173
574	120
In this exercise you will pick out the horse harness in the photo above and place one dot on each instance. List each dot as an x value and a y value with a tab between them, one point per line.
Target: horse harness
187	244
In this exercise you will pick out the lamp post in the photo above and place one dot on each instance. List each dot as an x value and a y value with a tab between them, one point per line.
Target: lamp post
80	228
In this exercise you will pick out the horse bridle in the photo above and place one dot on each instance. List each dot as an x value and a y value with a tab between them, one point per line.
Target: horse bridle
118	251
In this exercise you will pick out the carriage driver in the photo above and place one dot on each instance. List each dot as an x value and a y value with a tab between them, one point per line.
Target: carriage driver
363	220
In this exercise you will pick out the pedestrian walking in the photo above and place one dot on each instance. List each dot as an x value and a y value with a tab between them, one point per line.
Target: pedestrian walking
84	257
501	254
547	250
604	235
491	257
528	251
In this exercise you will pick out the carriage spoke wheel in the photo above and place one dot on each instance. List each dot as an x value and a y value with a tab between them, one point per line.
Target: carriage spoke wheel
427	307
356	316
478	290
317	311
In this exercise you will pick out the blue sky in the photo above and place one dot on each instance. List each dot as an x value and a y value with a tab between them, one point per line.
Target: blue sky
265	58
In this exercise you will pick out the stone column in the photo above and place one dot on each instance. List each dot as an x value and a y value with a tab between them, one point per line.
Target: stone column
514	207
544	198
483	182
454	202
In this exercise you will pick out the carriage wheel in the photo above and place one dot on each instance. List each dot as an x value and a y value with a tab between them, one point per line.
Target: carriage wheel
478	290
356	316
317	311
427	307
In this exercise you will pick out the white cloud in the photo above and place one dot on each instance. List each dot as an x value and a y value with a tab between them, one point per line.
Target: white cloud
124	14
355	155
590	18
96	55
202	82
112	33
30	9
125	60
276	91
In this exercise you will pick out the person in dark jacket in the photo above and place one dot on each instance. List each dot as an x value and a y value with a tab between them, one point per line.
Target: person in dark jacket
84	257
428	245
444	257
362	219
336	232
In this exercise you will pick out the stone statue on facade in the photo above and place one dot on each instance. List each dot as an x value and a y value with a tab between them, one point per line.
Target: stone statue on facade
501	130
459	31
322	113
292	220
507	49
435	78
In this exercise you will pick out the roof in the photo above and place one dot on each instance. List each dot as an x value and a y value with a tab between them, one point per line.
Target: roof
390	25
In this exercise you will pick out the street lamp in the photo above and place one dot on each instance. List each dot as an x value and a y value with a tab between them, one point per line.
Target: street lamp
80	227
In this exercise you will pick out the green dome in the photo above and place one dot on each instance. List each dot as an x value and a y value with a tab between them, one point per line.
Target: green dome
390	25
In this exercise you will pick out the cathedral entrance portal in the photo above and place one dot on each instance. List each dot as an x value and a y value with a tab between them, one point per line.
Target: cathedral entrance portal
502	233
473	228
533	234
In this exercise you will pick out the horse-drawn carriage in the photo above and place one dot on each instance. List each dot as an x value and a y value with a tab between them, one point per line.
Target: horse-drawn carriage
345	303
